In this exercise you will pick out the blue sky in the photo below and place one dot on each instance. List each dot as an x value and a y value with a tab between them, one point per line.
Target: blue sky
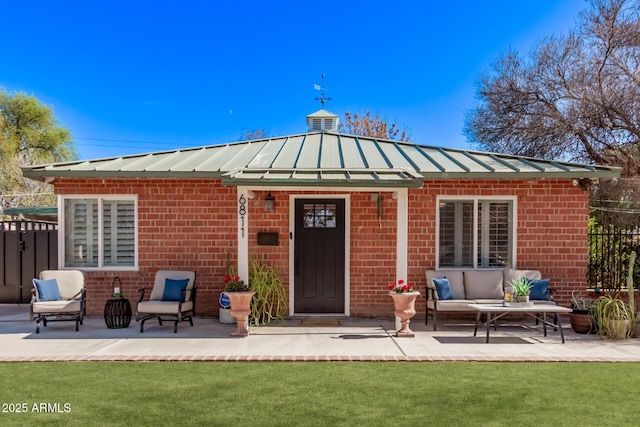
136	76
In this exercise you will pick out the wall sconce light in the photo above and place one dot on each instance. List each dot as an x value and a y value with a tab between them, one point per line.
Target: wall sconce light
582	183
269	202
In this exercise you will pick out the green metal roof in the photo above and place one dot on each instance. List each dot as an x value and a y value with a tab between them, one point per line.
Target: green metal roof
320	159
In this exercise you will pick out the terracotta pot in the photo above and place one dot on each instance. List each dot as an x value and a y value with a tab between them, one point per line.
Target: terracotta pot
580	322
405	309
240	309
636	331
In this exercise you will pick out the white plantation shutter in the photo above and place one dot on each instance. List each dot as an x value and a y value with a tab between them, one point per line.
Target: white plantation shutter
494	234
456	234
493	240
99	237
81	224
119	233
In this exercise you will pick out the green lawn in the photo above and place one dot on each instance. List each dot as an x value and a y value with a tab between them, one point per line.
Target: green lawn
320	394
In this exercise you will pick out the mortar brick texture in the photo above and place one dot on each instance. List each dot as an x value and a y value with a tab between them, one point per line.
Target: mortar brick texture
191	224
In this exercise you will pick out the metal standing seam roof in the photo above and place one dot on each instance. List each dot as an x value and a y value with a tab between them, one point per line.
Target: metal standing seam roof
321	158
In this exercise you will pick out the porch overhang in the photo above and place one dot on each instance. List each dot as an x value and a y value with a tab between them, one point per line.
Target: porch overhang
391	178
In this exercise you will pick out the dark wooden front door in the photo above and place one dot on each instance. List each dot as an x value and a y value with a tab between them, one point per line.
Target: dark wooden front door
319	256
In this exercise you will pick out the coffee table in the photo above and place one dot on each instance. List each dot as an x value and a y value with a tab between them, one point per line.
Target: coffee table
496	311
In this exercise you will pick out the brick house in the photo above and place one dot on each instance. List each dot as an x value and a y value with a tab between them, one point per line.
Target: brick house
340	216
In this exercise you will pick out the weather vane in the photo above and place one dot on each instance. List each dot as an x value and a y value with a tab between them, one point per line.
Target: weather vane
322	90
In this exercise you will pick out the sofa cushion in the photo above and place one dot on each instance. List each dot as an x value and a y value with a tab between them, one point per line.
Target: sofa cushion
489	301
451	305
444	288
539	289
483	284
47	290
510	275
456	281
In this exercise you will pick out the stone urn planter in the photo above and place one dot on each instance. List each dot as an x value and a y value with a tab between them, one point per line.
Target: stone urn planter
240	309
404	303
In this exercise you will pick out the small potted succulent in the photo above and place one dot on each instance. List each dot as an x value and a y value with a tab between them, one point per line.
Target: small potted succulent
522	289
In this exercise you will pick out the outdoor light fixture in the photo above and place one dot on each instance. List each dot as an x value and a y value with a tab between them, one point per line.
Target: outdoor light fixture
269	202
582	183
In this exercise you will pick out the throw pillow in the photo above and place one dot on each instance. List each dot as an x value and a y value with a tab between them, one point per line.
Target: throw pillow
444	288
173	289
47	290
539	289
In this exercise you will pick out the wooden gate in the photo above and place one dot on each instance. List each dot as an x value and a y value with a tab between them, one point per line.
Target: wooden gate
26	248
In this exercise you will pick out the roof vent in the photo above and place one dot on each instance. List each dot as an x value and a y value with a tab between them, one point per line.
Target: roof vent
322	120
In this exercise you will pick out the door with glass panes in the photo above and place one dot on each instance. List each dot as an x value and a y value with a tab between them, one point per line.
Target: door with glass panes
319	256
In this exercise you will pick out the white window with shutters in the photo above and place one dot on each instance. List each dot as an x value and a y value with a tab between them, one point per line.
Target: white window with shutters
476	232
98	232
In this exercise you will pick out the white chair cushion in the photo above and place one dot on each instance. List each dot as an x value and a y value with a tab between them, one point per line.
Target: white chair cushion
70	282
163	307
56	306
162	275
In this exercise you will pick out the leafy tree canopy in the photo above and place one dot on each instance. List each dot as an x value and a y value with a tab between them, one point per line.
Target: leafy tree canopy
29	134
249	135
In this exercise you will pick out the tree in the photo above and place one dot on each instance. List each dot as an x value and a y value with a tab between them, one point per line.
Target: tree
29	134
258	133
575	97
375	127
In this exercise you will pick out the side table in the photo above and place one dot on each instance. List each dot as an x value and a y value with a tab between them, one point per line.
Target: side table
117	313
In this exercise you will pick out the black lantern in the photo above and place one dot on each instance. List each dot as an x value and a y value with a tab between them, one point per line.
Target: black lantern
269	202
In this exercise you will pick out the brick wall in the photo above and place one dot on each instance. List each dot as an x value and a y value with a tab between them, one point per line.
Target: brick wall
191	224
551	229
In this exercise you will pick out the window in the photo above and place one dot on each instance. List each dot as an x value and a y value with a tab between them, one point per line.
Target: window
99	232
319	215
475	233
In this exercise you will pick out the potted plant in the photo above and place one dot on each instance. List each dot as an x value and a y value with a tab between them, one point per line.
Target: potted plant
581	315
522	289
240	299
614	317
404	300
270	301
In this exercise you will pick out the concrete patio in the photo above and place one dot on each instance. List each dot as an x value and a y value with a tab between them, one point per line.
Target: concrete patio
293	340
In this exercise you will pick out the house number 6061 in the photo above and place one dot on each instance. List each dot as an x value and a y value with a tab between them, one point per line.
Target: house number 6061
242	211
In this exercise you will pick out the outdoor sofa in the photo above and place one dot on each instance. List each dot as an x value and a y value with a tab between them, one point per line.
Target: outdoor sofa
478	287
